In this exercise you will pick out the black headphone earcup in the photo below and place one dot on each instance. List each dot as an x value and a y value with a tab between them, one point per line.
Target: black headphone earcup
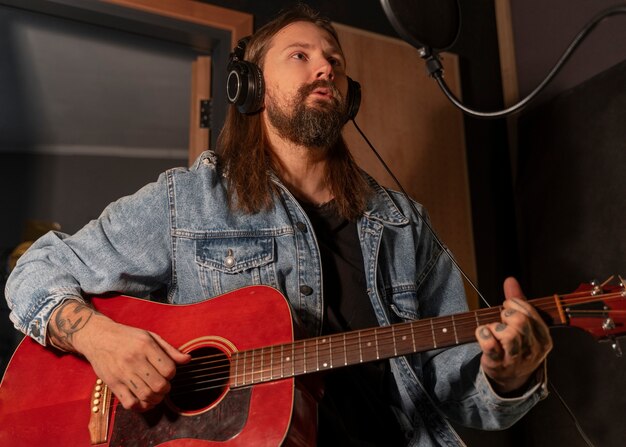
353	99
245	87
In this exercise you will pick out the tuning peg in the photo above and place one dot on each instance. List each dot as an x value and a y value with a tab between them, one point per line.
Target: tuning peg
616	347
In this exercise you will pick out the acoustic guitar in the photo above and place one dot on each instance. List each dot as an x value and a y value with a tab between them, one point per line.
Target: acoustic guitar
239	389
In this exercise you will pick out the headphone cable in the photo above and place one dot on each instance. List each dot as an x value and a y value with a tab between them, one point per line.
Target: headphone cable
425	221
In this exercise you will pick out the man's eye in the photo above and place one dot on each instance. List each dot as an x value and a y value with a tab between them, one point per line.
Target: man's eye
300	56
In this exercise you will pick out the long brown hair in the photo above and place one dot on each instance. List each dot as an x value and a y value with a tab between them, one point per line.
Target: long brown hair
245	149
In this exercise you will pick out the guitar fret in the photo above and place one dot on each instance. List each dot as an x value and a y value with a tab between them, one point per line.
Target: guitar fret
456	337
243	376
307	358
285	359
282	361
298	358
360	349
413	324
432	330
301	356
376	343
317	356
393	338
324	354
370	340
261	370
278	362
330	351
271	368
252	368
345	353
268	363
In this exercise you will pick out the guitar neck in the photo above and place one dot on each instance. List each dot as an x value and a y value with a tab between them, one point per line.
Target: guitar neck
367	345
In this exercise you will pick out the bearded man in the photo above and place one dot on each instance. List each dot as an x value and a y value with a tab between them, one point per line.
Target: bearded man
283	204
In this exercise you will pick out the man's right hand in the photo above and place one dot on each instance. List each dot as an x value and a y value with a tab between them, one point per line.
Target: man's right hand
137	365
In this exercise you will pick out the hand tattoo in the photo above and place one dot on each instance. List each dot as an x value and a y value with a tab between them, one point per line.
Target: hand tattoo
495	355
509	312
484	333
70	318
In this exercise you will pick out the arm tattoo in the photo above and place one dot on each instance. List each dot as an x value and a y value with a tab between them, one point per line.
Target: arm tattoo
70	318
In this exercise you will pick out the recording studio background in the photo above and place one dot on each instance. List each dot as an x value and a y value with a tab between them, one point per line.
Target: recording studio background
546	186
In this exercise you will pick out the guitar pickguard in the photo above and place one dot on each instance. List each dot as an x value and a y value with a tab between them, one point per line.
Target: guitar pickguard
161	424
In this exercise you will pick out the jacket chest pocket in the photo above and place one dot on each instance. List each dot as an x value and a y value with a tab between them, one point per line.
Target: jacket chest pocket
226	264
404	304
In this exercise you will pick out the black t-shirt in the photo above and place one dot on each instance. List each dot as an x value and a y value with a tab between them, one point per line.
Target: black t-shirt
355	409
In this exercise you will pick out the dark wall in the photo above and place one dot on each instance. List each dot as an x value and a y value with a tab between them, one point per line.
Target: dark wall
572	211
542	31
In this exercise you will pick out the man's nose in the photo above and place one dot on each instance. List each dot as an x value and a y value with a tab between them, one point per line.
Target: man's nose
325	71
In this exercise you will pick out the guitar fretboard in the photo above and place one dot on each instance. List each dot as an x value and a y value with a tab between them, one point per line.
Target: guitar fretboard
350	348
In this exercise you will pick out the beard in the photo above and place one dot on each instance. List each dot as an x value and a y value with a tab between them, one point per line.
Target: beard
318	125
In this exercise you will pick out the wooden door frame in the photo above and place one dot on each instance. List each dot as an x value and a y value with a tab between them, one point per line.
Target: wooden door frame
192	23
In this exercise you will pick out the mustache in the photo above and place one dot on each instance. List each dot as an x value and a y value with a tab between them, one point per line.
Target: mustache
307	89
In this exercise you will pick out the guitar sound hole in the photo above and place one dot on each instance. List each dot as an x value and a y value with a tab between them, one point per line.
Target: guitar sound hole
202	381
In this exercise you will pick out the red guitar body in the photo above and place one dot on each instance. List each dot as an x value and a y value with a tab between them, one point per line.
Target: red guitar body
46	397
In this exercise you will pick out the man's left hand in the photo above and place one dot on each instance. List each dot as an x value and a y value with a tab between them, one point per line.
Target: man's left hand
514	348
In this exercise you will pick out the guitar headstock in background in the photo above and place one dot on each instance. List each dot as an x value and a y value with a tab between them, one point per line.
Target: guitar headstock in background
597	308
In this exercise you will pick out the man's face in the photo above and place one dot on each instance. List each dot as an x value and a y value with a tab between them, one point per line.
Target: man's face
306	84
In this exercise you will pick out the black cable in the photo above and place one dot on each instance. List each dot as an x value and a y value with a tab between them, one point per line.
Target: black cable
425	221
435	68
571	415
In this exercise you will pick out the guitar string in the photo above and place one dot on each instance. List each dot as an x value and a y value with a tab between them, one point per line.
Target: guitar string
385	343
439	323
481	314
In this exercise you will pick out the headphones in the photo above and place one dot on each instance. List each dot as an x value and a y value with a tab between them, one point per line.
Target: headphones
245	87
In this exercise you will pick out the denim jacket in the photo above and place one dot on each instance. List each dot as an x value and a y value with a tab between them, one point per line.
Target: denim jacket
178	235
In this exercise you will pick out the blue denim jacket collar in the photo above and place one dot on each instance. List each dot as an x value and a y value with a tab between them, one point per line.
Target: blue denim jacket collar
382	208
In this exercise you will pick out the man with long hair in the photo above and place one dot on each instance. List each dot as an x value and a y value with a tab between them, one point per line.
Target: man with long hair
282	203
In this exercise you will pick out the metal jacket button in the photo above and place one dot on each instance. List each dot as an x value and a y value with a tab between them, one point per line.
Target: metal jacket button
306	290
301	226
230	259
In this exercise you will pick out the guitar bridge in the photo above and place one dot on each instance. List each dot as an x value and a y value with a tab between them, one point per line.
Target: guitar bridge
100	408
